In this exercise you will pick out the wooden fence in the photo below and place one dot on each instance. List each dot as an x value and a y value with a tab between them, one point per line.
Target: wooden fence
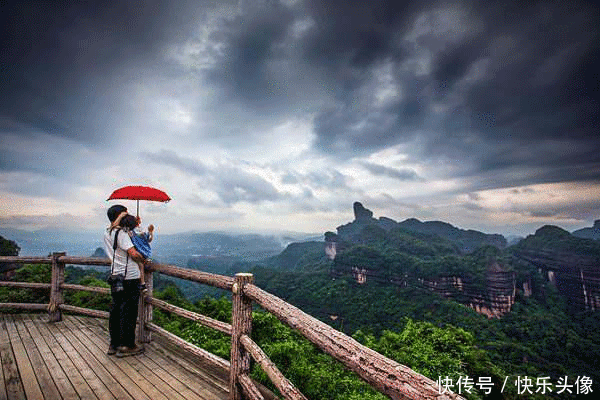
387	376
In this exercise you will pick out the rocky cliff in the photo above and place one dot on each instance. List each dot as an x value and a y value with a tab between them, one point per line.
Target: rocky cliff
485	276
569	262
435	256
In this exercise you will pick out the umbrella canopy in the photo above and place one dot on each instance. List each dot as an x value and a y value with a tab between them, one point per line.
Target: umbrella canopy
139	193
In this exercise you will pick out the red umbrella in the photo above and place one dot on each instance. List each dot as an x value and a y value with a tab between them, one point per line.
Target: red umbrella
139	193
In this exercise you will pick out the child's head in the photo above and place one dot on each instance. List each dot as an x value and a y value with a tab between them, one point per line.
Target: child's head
129	222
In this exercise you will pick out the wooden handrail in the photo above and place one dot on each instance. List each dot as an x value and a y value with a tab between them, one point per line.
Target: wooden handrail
219	281
389	377
285	387
202	319
81	288
26	285
249	388
195	350
84	311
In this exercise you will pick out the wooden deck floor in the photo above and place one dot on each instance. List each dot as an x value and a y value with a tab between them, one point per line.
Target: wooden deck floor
67	360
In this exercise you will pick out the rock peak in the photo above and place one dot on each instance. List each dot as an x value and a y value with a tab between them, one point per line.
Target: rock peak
361	213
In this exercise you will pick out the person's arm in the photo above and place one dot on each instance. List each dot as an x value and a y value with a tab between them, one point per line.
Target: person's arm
135	255
126	244
150	233
117	221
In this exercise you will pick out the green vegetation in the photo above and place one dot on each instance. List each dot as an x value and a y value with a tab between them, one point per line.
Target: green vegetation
8	247
553	238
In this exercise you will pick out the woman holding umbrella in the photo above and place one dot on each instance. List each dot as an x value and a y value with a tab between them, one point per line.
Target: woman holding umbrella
125	275
124	310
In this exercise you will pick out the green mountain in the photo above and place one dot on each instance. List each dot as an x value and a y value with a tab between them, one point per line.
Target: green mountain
589	233
466	241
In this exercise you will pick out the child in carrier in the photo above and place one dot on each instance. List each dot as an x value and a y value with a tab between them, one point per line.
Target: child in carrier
141	241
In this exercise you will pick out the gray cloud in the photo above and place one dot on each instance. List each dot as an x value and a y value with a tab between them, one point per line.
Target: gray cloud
328	178
170	158
230	182
405	174
235	185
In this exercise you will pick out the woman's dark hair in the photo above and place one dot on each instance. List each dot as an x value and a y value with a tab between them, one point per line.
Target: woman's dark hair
129	222
114	211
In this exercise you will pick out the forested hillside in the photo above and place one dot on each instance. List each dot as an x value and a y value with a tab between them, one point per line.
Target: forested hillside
545	323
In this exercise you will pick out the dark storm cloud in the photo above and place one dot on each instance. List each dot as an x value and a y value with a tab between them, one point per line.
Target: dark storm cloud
504	74
250	39
499	89
585	210
351	35
61	61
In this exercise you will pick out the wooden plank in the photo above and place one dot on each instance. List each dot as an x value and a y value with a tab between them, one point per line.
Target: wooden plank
28	377
79	383
157	379
93	363
12	380
94	382
201	378
108	362
3	394
61	381
204	385
123	364
37	362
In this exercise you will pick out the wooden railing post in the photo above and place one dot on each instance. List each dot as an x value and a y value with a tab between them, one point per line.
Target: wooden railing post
145	309
56	290
241	322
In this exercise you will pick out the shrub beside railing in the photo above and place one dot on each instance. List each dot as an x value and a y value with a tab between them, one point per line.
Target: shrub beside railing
387	376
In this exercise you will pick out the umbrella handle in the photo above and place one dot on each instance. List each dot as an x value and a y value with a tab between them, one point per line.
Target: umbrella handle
137	213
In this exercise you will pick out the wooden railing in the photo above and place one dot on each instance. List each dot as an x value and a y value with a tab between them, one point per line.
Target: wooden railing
387	376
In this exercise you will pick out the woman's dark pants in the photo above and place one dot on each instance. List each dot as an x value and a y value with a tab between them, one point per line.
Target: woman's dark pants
123	314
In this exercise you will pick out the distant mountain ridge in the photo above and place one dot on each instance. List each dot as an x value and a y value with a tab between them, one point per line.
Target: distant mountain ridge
589	233
175	248
466	240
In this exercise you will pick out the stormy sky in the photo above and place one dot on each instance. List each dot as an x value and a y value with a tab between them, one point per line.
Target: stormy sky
277	115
